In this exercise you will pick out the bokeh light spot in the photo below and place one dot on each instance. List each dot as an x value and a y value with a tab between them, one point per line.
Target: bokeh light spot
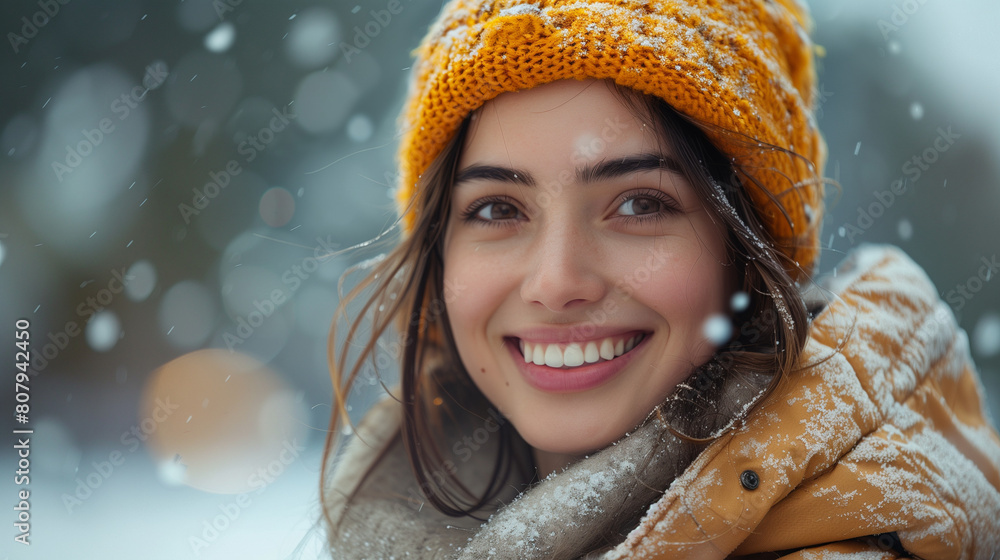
718	329
253	423
313	38
277	207
221	38
360	128
103	331
323	101
986	336
187	312
140	280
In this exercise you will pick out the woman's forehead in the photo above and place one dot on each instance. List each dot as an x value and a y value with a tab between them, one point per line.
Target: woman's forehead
560	97
568	121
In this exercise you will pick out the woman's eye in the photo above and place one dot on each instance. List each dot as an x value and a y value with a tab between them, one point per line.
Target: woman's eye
641	206
497	211
646	206
493	211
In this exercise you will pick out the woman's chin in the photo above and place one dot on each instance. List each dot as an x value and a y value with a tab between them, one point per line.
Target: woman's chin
566	442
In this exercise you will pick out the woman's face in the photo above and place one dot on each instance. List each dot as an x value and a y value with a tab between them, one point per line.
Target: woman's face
580	266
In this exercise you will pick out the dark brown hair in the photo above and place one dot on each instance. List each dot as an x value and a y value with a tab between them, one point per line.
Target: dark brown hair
406	290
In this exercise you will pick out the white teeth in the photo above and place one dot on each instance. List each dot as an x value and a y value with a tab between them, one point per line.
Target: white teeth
553	357
607	349
575	354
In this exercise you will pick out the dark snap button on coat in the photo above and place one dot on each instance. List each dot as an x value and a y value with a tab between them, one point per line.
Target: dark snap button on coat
750	480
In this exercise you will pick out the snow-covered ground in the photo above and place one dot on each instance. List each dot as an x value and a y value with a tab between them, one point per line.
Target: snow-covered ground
133	514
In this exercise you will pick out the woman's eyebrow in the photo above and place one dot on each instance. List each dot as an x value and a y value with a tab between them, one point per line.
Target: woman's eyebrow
626	166
494	173
604	170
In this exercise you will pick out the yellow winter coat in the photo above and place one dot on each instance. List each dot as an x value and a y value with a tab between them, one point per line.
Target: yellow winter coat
888	435
881	450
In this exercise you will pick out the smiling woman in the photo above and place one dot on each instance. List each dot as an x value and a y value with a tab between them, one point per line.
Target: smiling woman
611	341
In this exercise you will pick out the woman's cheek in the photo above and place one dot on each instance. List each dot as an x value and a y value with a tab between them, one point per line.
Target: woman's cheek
686	288
469	293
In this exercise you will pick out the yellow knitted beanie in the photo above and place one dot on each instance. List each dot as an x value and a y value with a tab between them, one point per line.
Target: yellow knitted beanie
741	65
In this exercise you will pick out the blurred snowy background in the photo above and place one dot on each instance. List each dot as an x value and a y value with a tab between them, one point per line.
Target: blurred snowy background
211	150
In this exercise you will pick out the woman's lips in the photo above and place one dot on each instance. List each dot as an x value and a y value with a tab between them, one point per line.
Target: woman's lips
565	378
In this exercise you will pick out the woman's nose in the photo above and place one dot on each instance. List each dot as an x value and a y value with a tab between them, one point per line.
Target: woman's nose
564	269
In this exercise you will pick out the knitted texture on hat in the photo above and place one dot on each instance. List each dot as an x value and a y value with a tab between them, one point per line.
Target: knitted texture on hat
739	65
